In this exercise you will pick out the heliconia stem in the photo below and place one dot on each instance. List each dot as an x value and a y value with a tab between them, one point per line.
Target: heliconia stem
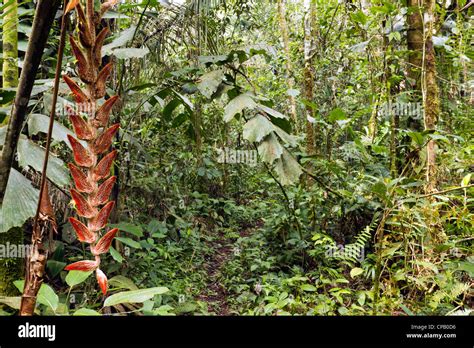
91	146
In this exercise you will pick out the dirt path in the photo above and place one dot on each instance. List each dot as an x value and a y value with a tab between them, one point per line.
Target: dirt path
215	294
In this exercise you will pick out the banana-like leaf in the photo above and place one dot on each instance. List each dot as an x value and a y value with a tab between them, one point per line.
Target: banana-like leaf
39	123
270	149
32	155
209	82
237	105
257	128
19	203
288	169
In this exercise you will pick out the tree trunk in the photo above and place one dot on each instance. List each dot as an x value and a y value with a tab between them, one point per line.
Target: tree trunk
310	10
45	12
415	57
286	49
10	45
431	102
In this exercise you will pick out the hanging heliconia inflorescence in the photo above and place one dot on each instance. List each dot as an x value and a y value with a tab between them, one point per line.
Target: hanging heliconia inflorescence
91	171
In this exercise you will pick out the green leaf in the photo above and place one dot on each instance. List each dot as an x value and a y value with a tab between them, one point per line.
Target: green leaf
271	112
46	294
134	296
19	203
121	39
136	230
466	180
74	278
129	242
356	271
39	123
257	128
288	169
55	267
32	155
209	82
237	105
308	287
128	53
336	115
86	312
115	254
11	301
122	282
270	149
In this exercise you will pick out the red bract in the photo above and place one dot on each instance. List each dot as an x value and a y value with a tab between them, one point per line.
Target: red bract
102	116
85	266
83	233
89	193
81	128
82	156
102	280
99	222
83	184
103	245
103	192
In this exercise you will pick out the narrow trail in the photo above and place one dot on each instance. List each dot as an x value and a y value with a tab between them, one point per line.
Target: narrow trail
215	294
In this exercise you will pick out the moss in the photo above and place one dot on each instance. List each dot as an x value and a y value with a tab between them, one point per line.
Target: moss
10	268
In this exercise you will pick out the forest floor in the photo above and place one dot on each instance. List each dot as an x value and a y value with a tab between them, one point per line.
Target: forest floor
215	294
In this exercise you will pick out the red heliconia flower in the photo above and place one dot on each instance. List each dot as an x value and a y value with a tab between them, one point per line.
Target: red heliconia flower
104	141
83	207
103	245
102	280
82	182
102	115
81	128
82	156
85	72
100	220
86	266
102	170
83	233
79	95
103	192
101	80
92	162
99	42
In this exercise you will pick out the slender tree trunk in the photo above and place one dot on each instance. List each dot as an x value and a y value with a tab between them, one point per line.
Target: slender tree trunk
310	10
45	12
431	101
286	49
10	46
415	57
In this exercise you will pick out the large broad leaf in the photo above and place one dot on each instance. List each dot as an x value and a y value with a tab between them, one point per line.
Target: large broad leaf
270	149
237	105
74	278
272	112
134	296
287	138
31	154
257	128
39	123
46	294
127	53
209	82
121	39
86	312
19	203
288	169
